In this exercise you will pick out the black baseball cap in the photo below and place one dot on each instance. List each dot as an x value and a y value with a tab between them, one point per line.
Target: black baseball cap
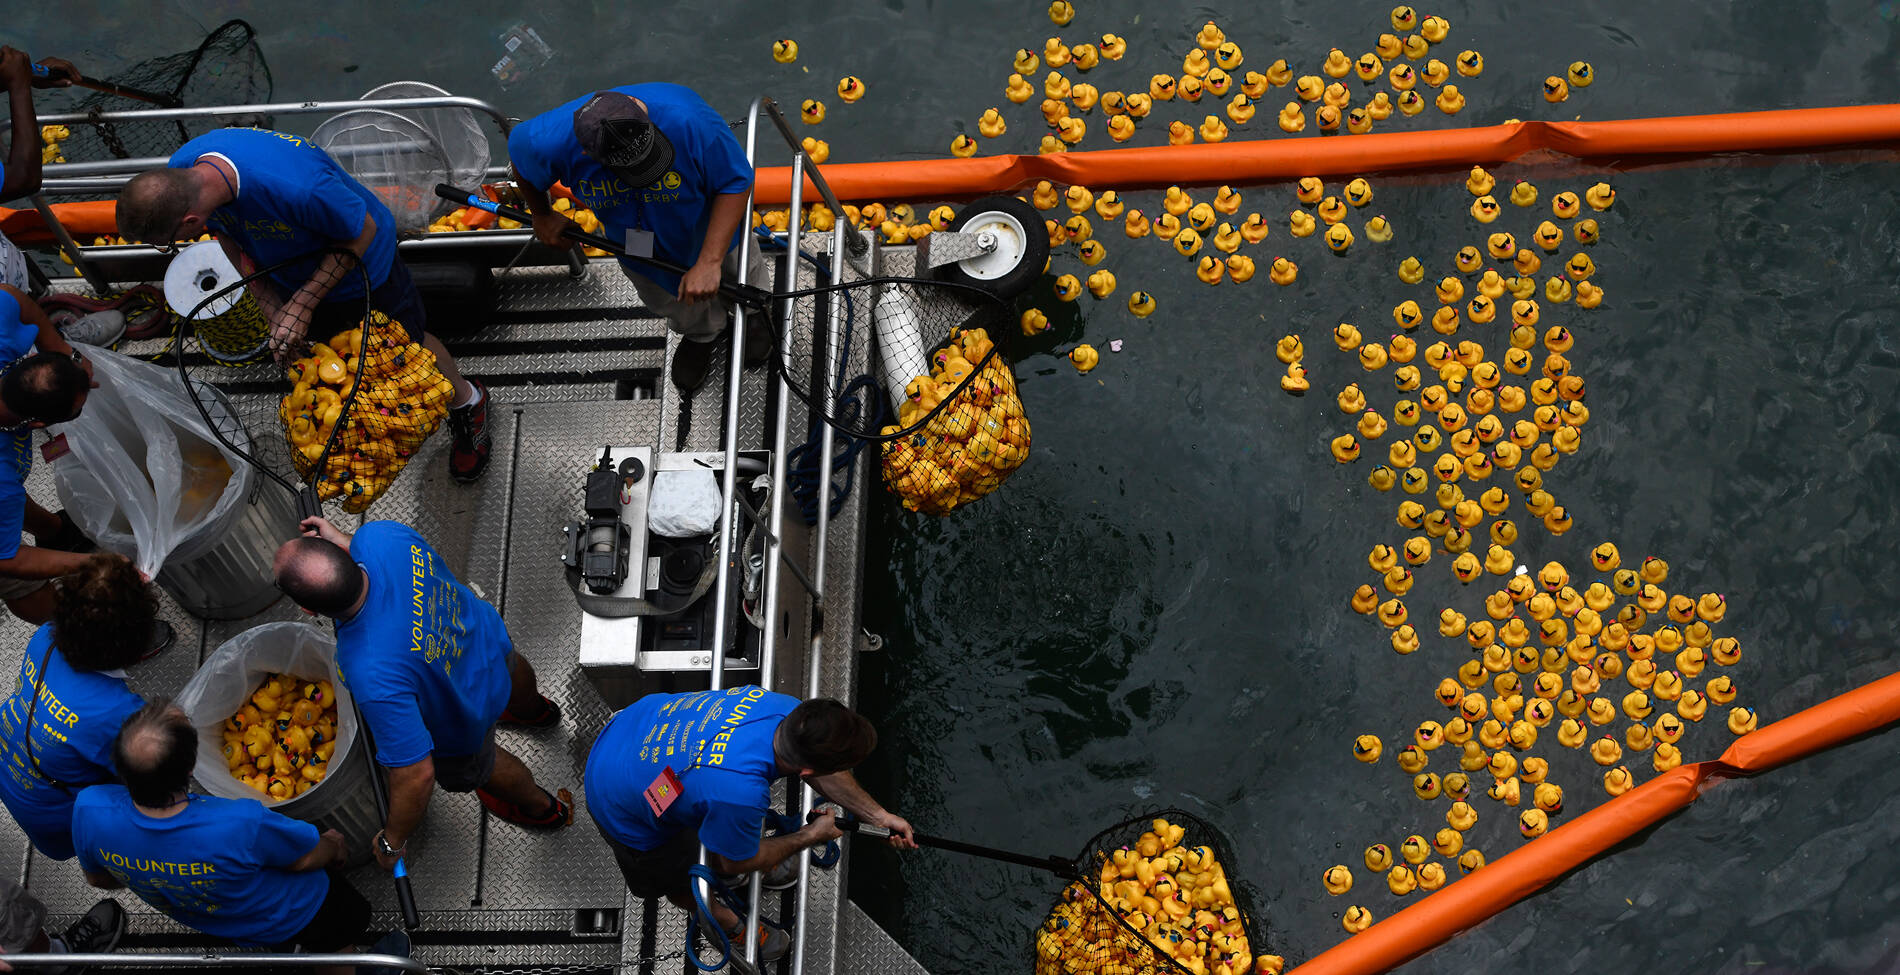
614	129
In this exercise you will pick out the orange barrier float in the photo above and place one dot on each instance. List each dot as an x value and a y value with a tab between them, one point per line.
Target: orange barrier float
1516	875
1245	163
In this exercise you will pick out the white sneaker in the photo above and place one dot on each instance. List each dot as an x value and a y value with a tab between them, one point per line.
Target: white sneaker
100	328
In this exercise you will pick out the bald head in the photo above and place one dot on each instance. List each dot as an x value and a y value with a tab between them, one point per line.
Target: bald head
154	203
319	576
155	752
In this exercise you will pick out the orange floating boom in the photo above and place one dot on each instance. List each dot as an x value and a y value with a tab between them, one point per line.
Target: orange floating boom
1528	869
1245	163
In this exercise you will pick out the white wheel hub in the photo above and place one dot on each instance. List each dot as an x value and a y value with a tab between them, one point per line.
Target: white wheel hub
1011	243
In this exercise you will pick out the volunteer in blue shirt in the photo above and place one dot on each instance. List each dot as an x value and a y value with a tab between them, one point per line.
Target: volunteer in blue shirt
665	175
433	669
272	197
20	170
56	730
706	762
35	390
229	868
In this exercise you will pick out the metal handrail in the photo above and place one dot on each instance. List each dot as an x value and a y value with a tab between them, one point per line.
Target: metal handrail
275	108
856	244
209	959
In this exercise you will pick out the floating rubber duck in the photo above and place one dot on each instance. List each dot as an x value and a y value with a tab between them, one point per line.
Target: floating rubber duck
1410	103
1101	284
1113	46
1435	73
1226	239
1470	63
1654	570
1055	53
1085	96
1337	64
1356	919
1084	56
1557	290
1555	90
1188	242
1639	737
1196	64
1034	322
962	147
1379	230
1210	270
812	111
1378	858
1346	450
1388	46
1077	229
1062	11
1282	271
1741	721
1190	88
1337	879
1339	237
1026	62
1327	117
1720	689
1295	381
1254	229
991	124
1426	786
1532	823
1241	109
818	149
1084	357
1201	217
1379	108
785	50
1254	84
1336	96
1166	226
1135	225
1600	196
1600	711
1309	88
1434	28
1450	291
1372	355
1415	849
1290	349
1411	271
1501	245
1382	478
1137	104
1068	287
1071	130
1606	751
1506	790
1279	74
1141	304
850	88
1484	209
1161	88
1019	90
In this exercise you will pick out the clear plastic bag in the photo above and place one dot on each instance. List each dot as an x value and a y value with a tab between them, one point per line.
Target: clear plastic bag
225	682
146	477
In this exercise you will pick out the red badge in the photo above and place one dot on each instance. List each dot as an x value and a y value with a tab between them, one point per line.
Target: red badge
664	791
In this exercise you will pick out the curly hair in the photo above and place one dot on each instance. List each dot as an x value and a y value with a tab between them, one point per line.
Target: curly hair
105	614
826	736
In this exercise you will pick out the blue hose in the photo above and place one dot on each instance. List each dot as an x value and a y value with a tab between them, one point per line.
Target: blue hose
718	938
804	462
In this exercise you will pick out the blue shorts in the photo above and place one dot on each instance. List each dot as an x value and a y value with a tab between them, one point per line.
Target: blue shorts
396	297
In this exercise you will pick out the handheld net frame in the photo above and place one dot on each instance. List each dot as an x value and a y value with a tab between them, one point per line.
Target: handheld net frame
845	337
1111	943
228	68
403	154
245	402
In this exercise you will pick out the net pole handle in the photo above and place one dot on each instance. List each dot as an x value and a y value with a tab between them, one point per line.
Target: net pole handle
405	894
110	88
752	298
1060	866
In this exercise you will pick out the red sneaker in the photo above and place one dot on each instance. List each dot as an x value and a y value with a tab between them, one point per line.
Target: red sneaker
468	456
560	811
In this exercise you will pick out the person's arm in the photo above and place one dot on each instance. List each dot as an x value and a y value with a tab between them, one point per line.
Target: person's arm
23	156
331	850
547	220
773	850
32	562
843	789
292	321
320	527
47	337
701	281
268	297
409	790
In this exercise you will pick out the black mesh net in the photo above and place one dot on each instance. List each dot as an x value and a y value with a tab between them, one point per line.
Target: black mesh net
342	413
943	405
226	69
1156	899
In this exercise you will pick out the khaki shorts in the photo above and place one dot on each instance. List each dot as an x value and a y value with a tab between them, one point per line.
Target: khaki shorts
11	588
697	321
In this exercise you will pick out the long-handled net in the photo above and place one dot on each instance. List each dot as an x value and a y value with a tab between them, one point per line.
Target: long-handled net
338	418
1155	898
228	68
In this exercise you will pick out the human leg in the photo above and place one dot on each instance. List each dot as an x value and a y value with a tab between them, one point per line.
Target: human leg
527	708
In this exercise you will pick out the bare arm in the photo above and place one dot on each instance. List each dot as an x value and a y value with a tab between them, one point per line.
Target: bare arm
23	156
262	289
843	789
774	849
409	790
547	220
331	850
32	562
320	527
701	281
292	321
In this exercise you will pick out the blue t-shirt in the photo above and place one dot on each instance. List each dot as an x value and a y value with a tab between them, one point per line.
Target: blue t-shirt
719	743
16	446
707	161
426	658
218	866
292	199
72	727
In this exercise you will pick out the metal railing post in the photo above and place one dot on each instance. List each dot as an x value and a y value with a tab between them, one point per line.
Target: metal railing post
70	247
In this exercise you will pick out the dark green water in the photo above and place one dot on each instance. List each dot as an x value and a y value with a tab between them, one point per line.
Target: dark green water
1153	611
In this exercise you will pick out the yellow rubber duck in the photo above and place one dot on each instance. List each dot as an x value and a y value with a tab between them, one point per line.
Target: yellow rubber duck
1309	88
1113	46
1068	287
1084	357
1586	232
1071	130
1290	349
1187	242
1600	196
1416	47
1379	108
850	88
1196	64
1210	270
1295	381
1019	90
1241	109
1282	271
1356	919
1034	322
1135	225
1254	84
1138	104
1337	879
1606	751
1411	271
1084	56
1212	129
1201	217
1532	823
1226	239
1555	90
1026	62
785	50
1141	304
1336	95
1084	96
1055	53
1345	450
1228	56
1101	284
1190	88
1741	721
1638	737
812	111
1254	229
1337	64
962	147
1470	63
1339	238
1061	11
1180	133
1720	689
1435	73
1166	226
1368	67
1403	78
1450	100
1359	121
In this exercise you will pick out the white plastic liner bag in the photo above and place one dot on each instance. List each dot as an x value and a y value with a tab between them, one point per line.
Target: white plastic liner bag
226	680
146	477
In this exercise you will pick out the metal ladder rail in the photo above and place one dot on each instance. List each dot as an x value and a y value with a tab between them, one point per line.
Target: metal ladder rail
97	176
210	960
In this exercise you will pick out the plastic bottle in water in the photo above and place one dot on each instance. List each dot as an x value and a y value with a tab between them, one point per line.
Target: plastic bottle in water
524	52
